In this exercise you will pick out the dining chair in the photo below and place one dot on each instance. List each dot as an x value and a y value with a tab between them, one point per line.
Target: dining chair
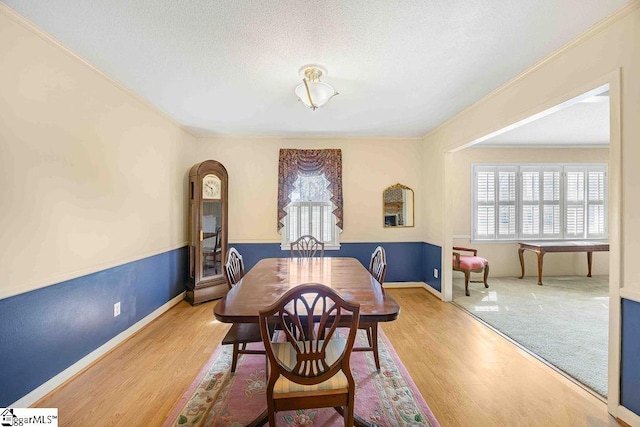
234	268
468	264
212	254
377	269
217	252
309	366
240	334
307	247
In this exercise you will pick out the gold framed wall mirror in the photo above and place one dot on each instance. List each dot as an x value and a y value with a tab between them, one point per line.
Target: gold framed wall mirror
398	207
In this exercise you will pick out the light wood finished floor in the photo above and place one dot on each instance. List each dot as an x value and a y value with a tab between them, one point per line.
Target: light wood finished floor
468	374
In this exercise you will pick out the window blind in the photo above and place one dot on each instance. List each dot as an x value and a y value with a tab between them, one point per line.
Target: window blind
486	206
310	212
539	201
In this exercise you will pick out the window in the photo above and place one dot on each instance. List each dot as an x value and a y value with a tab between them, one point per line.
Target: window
537	202
310	195
310	212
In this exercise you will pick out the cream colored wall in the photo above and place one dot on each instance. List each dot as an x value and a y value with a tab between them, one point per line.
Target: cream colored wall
434	163
583	65
91	176
503	257
368	166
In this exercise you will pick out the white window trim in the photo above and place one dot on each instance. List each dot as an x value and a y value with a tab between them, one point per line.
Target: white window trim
496	167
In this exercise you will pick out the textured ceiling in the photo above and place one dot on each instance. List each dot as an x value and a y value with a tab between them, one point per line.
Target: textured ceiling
229	67
583	124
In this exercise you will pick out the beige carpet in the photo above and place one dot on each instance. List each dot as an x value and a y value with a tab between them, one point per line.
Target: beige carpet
565	321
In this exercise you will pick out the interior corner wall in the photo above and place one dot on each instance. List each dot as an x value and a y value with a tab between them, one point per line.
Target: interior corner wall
503	257
93	207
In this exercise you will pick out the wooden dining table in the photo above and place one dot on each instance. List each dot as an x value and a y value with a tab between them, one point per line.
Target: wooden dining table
270	278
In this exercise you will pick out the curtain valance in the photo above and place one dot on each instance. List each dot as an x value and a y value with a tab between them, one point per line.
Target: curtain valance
294	163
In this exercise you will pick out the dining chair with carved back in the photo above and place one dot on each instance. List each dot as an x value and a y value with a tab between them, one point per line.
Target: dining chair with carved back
309	366
234	268
240	334
377	269
307	246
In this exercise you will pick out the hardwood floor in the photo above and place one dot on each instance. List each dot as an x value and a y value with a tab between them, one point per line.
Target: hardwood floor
468	374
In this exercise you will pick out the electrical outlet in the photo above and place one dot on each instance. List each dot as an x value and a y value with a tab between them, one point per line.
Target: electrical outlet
435	273
116	309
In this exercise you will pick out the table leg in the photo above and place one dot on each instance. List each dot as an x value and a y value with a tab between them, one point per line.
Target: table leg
589	260
520	254
540	259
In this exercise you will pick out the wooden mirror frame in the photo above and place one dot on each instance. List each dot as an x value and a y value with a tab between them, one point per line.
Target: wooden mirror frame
409	213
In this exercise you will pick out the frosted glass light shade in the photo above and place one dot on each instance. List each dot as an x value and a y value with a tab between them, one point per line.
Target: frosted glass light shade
320	93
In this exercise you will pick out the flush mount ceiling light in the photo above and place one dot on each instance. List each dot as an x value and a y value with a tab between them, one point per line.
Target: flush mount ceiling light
312	92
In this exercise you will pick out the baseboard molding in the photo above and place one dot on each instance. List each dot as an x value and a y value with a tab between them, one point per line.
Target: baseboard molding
399	285
627	416
90	358
432	290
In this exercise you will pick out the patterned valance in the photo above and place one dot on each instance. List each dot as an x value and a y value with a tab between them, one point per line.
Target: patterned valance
294	163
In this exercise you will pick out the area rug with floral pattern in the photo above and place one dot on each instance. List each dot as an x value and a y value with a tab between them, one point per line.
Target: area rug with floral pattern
218	398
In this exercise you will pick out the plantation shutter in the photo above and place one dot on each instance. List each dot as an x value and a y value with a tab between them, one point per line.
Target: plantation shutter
530	204
596	204
550	202
314	218
485	203
539	201
507	226
540	204
327	223
293	221
575	202
310	212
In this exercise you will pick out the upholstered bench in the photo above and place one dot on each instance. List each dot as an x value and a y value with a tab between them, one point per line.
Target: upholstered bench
468	264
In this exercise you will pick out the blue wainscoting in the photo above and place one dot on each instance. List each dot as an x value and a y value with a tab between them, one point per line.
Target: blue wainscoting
45	331
407	261
630	368
432	258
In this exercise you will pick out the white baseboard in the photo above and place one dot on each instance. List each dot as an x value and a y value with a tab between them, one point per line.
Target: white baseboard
398	285
628	417
62	377
432	290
